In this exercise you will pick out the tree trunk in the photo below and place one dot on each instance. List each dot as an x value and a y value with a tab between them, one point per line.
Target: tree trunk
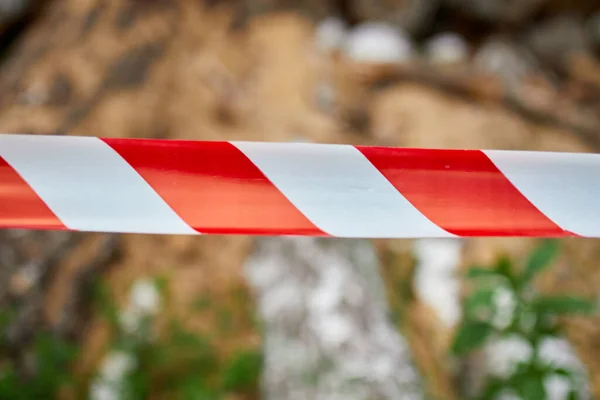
327	332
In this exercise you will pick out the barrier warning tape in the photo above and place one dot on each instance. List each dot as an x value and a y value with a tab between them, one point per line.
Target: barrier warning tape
187	187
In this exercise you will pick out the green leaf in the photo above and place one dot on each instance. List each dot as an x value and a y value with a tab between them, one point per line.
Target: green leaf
503	266
162	284
225	320
493	388
545	325
573	395
561	305
192	388
201	303
479	305
539	259
562	372
471	334
104	301
11	387
242	372
532	387
52	361
186	349
136	385
479	272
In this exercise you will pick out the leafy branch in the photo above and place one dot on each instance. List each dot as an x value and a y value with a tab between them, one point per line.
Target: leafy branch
503	303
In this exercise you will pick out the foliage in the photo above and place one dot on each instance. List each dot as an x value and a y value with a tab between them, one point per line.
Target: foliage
174	362
161	358
504	303
51	359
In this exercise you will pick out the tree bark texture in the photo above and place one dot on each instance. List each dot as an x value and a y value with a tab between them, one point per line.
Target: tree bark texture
326	320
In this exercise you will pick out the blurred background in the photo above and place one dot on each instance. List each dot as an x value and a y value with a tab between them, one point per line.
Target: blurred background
108	317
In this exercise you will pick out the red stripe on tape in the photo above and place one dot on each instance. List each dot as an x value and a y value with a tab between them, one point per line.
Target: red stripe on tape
462	191
214	187
21	206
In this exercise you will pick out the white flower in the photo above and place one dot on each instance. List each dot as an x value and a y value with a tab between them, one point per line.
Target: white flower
104	391
558	352
557	387
109	383
503	355
505	303
131	320
144	297
116	365
378	42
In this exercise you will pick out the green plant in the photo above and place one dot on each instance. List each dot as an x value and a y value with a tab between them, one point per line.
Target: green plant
50	371
504	303
174	362
241	372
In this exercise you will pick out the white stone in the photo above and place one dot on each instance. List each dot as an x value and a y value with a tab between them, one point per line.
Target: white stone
447	48
330	34
378	43
500	57
325	97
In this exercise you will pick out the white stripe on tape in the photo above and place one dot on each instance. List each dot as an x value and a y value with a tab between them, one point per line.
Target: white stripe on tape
561	185
89	186
339	190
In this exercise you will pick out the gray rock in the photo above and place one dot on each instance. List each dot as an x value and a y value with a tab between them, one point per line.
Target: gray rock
593	29
502	57
13	9
330	34
513	11
553	40
412	16
447	48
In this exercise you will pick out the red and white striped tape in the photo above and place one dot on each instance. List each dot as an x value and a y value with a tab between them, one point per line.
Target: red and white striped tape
184	187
